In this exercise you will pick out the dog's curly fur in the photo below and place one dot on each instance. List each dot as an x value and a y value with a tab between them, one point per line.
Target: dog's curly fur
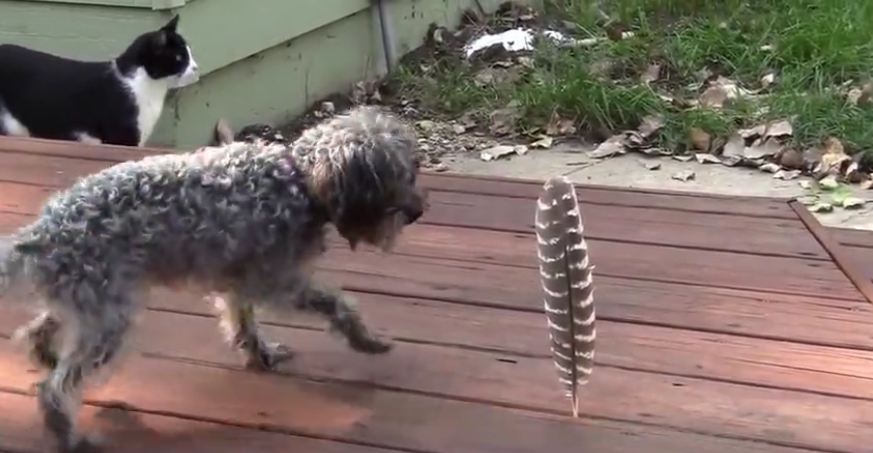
242	221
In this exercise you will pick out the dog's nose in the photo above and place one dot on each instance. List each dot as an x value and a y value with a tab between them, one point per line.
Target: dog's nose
413	214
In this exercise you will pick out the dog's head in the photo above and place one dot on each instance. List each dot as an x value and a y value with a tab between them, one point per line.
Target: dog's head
362	166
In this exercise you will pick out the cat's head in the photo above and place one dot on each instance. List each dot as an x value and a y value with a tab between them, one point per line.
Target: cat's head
163	54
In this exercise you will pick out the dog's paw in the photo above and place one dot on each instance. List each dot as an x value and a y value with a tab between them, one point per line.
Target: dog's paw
269	356
86	444
370	345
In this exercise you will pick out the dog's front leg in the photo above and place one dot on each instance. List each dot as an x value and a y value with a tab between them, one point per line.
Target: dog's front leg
344	317
241	331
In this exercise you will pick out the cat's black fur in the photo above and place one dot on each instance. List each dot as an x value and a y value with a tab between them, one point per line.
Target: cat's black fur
115	102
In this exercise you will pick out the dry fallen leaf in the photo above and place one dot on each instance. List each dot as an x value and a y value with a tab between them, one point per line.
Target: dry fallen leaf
808	200
734	146
714	97
753	132
762	149
769	167
426	125
787	175
614	146
496	152
684	176
503	121
652	74
560	126
768	80
699	139
822	207
866	184
833	157
781	128
650	164
705	158
683	157
545	142
650	125
829	183
853	203
521	150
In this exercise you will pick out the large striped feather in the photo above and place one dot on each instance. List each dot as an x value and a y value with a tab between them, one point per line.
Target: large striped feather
565	273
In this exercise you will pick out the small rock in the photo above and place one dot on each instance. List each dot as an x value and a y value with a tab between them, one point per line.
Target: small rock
459	128
650	165
867	184
768	80
650	125
683	157
521	150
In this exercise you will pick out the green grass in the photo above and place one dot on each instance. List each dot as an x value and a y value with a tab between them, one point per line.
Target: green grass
813	46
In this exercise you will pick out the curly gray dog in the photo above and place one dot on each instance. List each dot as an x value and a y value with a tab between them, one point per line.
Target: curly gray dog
242	220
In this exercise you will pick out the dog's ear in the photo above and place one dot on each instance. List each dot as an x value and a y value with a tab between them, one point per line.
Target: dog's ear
361	193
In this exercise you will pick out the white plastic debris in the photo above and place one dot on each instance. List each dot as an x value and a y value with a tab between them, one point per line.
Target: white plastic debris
515	40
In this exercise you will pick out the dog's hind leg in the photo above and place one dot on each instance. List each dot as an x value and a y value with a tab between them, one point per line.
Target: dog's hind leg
41	334
344	318
241	331
92	342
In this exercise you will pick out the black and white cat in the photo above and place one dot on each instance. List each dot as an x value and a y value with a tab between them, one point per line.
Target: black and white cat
115	102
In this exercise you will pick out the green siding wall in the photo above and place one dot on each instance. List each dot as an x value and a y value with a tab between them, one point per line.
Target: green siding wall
262	60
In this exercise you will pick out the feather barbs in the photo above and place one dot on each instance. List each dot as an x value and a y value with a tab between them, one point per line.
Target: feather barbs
566	279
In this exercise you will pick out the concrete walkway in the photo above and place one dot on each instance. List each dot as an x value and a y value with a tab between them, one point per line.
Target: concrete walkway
629	171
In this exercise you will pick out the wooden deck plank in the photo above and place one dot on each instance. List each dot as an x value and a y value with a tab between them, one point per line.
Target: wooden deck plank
738	359
779	237
517	286
638	261
136	432
642	225
365	414
691	304
378	395
617	196
679	201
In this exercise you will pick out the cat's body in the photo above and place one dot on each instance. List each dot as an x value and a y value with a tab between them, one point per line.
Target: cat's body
115	102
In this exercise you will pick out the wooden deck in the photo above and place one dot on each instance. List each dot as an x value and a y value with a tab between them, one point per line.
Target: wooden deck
724	326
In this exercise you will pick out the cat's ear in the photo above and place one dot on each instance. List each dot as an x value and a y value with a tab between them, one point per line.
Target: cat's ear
172	24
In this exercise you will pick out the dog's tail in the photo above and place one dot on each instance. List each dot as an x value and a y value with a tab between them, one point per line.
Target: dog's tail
13	265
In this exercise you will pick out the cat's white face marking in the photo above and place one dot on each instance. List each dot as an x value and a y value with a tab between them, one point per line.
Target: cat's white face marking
191	75
149	95
87	138
12	126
